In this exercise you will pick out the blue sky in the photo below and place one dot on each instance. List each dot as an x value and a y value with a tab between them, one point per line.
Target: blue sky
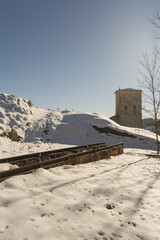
73	54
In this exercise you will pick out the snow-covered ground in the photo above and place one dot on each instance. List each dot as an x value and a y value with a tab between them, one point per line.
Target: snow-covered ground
71	202
37	125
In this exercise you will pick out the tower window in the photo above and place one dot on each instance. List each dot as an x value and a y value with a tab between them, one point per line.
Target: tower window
125	107
134	108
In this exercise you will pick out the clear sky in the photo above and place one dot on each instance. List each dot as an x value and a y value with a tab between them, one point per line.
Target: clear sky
73	54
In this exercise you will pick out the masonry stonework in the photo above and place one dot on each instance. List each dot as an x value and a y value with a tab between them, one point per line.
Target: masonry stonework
128	108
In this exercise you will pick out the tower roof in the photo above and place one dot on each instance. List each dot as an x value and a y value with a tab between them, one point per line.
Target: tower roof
128	89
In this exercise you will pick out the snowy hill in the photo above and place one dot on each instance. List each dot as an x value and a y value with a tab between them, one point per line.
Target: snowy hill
39	126
70	202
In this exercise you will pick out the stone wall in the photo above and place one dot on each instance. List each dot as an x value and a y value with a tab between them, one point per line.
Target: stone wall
128	108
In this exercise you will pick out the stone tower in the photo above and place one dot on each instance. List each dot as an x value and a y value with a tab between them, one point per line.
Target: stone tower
128	107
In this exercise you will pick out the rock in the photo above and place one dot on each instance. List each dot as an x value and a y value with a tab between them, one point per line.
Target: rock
109	206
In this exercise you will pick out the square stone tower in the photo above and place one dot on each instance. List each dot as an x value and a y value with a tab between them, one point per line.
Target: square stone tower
128	107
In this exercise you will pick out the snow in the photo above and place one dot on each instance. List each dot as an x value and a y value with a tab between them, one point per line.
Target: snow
70	202
9	148
39	126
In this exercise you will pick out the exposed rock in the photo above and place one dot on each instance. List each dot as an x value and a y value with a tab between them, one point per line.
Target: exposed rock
109	206
113	131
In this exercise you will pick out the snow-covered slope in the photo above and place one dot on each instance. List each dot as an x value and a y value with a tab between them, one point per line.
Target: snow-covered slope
70	202
37	125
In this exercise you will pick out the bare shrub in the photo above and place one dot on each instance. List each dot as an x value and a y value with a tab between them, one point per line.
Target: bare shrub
13	135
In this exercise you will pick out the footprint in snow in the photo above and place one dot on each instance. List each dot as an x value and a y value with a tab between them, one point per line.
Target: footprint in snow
132	224
101	233
43	214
